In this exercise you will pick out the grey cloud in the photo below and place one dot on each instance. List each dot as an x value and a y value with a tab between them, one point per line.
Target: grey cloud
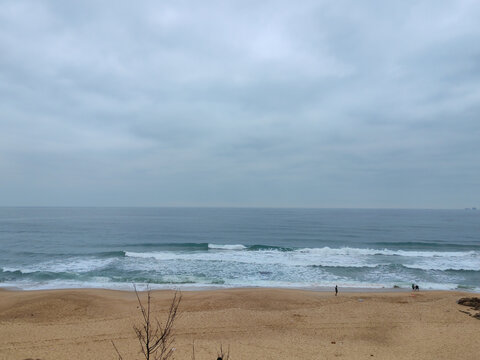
323	103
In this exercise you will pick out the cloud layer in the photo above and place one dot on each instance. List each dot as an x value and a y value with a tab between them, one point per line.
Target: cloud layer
325	104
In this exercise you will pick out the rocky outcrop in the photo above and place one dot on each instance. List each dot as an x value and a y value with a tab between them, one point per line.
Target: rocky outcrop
473	303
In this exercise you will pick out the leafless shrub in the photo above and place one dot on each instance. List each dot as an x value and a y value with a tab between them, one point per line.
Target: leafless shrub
156	338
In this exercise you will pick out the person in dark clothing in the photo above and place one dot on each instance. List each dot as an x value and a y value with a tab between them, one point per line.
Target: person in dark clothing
417	288
413	287
336	290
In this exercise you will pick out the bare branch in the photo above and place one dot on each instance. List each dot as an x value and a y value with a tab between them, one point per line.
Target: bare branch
118	352
156	340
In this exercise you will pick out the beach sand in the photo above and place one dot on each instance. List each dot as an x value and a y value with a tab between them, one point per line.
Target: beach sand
254	323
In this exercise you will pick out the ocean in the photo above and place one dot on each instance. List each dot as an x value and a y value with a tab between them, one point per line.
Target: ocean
204	248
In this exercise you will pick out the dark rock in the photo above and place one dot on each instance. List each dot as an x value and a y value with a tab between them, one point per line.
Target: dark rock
473	301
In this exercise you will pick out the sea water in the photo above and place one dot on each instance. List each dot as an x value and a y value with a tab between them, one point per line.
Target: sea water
195	248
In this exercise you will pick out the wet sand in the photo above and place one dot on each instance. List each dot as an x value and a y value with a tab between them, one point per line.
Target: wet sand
254	323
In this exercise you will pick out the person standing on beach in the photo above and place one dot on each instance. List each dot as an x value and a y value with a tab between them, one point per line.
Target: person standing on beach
413	287
336	290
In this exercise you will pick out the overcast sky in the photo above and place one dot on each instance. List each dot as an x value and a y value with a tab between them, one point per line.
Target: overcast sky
240	103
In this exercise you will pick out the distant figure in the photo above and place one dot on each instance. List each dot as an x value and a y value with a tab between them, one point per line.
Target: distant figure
417	288
413	287
336	290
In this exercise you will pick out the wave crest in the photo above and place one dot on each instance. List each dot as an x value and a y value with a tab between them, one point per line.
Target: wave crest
227	247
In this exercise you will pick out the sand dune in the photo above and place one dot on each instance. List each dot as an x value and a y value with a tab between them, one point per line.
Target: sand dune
255	323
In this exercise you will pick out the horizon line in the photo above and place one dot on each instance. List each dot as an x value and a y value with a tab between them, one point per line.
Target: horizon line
235	207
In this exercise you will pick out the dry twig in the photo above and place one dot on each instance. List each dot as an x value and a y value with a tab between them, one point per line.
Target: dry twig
156	339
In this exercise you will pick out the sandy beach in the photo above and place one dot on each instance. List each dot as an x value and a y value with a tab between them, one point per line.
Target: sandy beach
254	323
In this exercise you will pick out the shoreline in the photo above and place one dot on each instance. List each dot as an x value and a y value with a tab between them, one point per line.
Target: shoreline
321	289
